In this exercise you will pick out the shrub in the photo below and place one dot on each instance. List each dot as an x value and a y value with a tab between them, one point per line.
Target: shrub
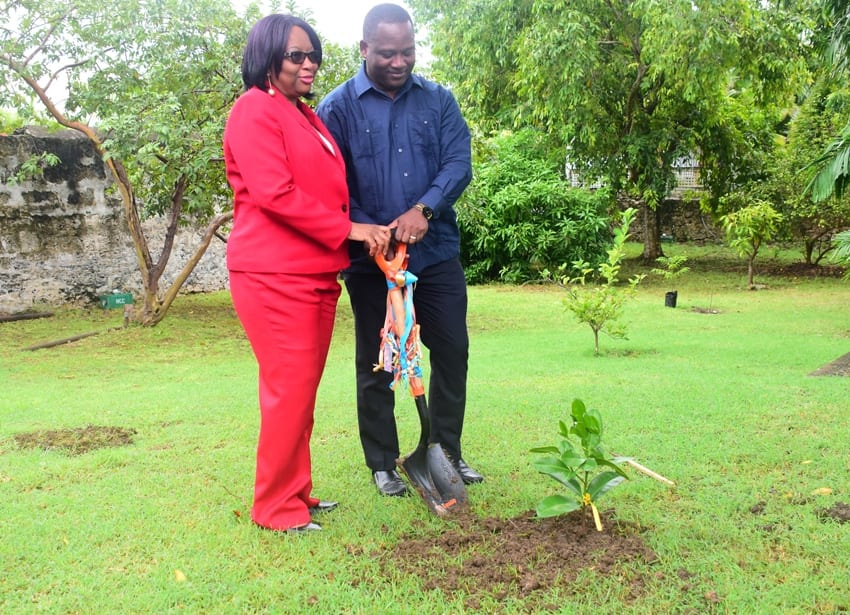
520	215
600	306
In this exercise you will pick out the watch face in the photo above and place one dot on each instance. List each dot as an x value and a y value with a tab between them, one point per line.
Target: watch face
428	213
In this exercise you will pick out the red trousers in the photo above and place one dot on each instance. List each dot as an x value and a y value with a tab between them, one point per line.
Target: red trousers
288	319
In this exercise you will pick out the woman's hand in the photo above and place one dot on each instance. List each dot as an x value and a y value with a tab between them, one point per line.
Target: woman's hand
375	237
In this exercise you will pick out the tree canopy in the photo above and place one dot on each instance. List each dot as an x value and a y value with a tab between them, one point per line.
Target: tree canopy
628	86
150	82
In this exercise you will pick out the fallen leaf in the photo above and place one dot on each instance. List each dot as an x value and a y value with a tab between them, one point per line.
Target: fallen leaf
822	491
806	462
179	576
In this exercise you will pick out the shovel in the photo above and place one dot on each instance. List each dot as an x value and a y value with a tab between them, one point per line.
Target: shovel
428	467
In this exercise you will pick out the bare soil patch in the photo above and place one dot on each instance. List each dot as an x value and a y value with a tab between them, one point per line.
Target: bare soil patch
839	512
522	556
839	367
802	270
704	310
76	441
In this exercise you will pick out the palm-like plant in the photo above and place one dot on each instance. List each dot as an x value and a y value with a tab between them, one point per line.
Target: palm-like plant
834	163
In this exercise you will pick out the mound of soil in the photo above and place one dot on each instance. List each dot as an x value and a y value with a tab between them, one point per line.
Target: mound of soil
520	556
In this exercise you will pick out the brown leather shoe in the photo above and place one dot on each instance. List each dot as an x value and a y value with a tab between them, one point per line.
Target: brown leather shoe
389	483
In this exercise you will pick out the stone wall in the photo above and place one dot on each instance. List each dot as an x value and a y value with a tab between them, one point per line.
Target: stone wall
64	238
682	221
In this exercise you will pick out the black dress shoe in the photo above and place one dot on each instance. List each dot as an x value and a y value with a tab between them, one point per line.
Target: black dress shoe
389	483
468	475
303	529
323	507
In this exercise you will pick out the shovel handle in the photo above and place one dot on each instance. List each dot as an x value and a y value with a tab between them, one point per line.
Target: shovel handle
392	266
391	269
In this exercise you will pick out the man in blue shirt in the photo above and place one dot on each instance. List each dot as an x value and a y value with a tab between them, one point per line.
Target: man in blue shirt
407	153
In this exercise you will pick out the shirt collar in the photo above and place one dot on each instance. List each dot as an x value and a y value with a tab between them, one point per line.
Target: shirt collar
362	84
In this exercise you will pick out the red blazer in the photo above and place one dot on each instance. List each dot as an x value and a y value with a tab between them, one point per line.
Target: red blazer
290	194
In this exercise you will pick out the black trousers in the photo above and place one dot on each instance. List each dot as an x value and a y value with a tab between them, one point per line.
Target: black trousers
440	301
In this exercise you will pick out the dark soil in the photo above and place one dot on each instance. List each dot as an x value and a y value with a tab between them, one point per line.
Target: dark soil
76	441
703	310
802	270
839	367
520	557
839	512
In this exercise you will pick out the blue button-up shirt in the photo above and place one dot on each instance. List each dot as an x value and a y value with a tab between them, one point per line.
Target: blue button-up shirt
414	148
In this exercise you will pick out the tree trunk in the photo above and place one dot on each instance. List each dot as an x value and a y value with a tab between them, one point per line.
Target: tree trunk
153	307
808	250
751	269
651	219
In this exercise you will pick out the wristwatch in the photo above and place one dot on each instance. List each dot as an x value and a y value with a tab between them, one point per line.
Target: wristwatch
426	211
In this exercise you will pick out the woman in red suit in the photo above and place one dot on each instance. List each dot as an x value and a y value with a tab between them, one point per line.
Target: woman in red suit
287	246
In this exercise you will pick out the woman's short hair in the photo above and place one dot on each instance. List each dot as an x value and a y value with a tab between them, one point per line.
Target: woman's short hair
266	46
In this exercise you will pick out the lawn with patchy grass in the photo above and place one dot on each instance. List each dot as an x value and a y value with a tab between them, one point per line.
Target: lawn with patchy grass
716	394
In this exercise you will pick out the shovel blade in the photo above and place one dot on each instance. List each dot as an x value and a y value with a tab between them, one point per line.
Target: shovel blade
436	480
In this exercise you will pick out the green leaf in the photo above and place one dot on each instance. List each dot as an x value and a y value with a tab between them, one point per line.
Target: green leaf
613	465
602	483
578	410
555	505
593	421
550	465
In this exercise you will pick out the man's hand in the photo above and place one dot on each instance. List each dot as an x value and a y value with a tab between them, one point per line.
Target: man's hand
410	227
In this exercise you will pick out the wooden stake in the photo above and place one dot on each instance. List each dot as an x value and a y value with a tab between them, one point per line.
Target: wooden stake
650	473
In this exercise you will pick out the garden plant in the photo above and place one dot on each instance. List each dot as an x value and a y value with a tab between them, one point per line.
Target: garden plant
587	471
600	305
671	267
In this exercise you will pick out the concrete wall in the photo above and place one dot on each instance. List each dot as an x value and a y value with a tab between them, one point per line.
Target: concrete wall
64	238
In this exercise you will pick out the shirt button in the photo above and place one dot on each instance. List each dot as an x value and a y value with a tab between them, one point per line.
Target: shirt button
400	150
405	173
344	207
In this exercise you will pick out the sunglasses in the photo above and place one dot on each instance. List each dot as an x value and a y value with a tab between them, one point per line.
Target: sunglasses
298	57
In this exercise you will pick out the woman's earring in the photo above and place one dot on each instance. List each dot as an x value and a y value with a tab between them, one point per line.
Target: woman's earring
271	89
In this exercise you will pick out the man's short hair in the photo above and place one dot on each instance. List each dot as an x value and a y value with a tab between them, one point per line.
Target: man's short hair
384	13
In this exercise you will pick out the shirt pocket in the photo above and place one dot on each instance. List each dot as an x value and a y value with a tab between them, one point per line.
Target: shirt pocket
369	141
369	155
425	137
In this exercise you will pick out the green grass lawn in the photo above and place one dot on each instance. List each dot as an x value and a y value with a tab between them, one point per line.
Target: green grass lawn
721	403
